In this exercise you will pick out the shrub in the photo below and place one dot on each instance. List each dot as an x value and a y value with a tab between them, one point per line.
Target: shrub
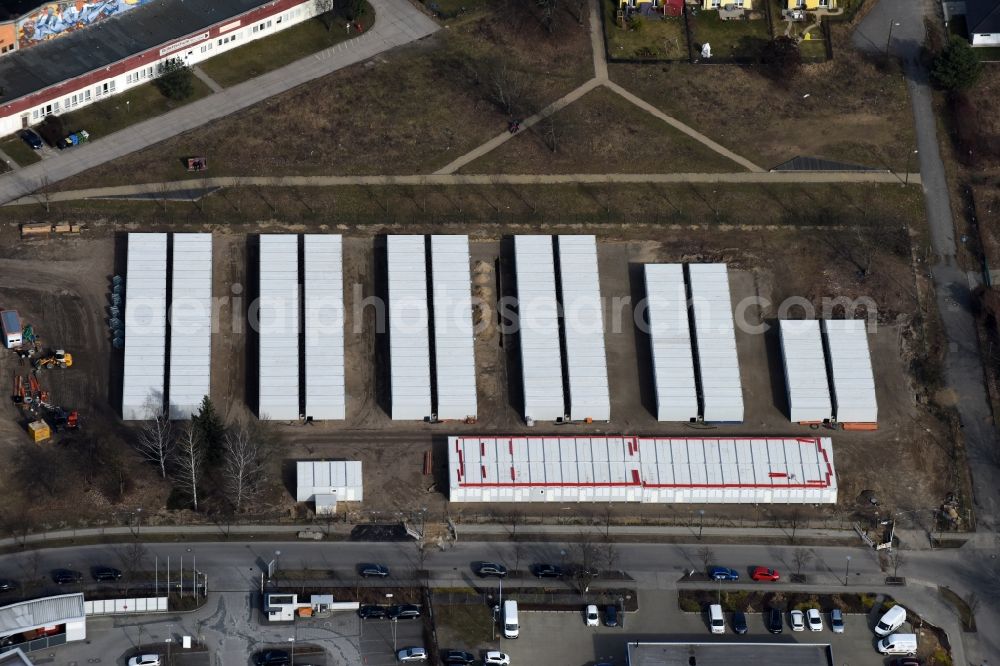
635	23
957	67
941	658
689	605
175	79
868	601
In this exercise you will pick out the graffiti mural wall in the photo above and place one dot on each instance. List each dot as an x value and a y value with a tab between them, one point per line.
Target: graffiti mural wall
55	19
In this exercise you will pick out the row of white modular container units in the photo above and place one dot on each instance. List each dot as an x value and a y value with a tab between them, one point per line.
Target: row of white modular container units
635	469
146	366
820	355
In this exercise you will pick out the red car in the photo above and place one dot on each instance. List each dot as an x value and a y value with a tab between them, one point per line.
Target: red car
763	573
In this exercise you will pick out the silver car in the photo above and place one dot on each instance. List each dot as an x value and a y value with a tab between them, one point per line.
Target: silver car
837	621
412	654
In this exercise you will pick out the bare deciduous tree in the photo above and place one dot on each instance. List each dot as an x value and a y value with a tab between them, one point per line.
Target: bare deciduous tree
131	558
586	556
155	440
507	87
897	559
242	467
190	464
707	556
548	10
607	553
801	557
515	519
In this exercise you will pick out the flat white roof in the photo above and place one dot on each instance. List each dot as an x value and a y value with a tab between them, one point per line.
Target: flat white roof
278	333
37	613
851	374
190	324
670	342
805	371
145	327
538	326
340	478
715	339
409	335
583	325
455	360
787	470
324	326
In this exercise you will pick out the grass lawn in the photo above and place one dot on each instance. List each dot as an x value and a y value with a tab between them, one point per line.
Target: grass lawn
451	8
118	112
469	626
855	112
602	133
19	151
656	39
813	50
729	39
270	53
411	110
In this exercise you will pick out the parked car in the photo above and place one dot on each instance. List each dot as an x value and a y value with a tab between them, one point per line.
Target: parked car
404	612
837	621
740	623
145	660
905	661
610	616
6	585
458	657
66	576
367	570
31	138
273	658
890	621
593	618
763	573
497	658
547	571
797	620
373	613
773	620
723	573
814	619
484	569
105	574
898	644
412	654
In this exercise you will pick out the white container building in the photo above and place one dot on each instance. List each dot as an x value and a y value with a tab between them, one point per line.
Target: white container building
583	326
670	343
278	330
455	362
190	324
322	481
851	376
144	375
806	383
409	334
538	326
323	271
715	341
642	469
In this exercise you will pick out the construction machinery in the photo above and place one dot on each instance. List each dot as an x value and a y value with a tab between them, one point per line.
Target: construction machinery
18	394
59	359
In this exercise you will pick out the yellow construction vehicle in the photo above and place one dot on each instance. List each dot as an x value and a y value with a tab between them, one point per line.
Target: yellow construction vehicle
60	359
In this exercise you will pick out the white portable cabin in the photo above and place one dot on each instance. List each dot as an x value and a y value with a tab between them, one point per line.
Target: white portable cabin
538	329
323	270
583	326
278	330
806	383
715	340
144	376
409	333
190	324
12	329
662	470
670	343
851	376
455	361
339	478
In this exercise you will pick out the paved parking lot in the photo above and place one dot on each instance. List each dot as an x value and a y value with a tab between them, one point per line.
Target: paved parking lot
380	639
659	619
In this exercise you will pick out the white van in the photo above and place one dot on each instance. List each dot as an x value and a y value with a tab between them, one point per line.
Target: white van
892	620
716	620
510	626
898	644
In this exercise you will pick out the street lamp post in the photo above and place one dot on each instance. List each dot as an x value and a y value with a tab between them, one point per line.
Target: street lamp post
847	572
701	523
909	160
892	24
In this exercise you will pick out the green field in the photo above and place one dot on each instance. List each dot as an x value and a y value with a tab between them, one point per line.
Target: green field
18	151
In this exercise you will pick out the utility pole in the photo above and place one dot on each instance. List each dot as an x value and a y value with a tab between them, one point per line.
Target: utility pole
847	573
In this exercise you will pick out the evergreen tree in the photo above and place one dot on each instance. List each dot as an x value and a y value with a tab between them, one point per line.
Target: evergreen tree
957	67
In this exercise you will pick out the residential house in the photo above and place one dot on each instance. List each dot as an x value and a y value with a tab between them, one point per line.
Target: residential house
708	5
648	7
982	18
811	5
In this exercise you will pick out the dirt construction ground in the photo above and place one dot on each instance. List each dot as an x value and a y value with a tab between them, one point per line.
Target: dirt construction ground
61	287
